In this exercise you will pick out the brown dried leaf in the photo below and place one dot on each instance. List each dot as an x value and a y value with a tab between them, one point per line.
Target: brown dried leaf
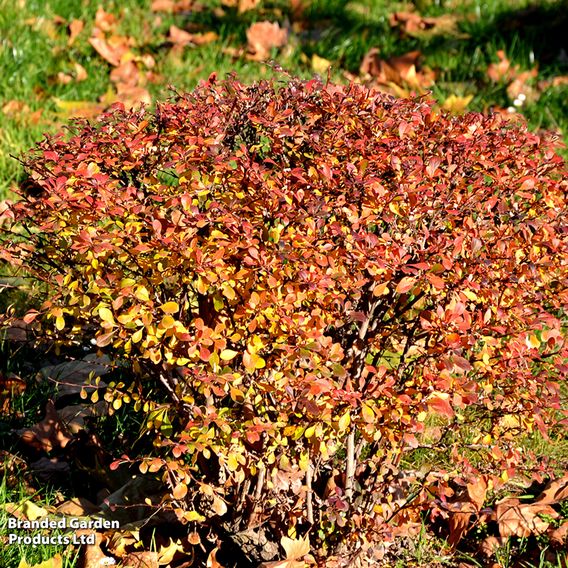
522	520
502	70
114	50
72	376
75	28
146	559
262	37
10	386
559	536
77	507
14	108
104	21
477	491
245	5
127	73
132	96
180	37
48	434
396	71
173	6
414	24
459	521
554	491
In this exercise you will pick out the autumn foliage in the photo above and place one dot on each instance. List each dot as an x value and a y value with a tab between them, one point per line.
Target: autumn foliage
301	278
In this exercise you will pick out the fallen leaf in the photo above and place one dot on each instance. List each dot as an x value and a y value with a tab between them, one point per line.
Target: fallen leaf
262	37
502	70
173	6
14	108
167	553
459	521
77	507
246	5
477	492
104	21
212	559
413	24
74	416
53	562
92	555
48	434
10	386
145	559
73	109
396	71
132	96
27	510
51	470
554	491
559	536
114	50
72	377
320	65
127	73
522	520
295	547
457	104
180	37
75	28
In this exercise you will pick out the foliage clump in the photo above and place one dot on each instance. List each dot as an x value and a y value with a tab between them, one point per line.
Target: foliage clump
301	277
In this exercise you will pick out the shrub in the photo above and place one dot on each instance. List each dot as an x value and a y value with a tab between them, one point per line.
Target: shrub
300	277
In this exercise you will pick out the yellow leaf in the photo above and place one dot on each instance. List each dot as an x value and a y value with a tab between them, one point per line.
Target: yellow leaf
367	413
106	315
320	65
193	516
344	421
53	562
167	322
228	354
457	104
170	308
59	323
142	294
295	548
137	336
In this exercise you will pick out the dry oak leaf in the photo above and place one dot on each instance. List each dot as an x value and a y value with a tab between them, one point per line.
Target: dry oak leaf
262	37
48	434
554	491
522	520
145	559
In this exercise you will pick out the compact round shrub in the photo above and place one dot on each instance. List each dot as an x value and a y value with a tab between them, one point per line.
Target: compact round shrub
304	279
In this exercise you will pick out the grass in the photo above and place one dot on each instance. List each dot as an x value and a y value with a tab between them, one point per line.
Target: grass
34	50
14	491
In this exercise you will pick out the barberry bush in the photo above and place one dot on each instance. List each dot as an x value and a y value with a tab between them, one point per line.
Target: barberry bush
301	277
